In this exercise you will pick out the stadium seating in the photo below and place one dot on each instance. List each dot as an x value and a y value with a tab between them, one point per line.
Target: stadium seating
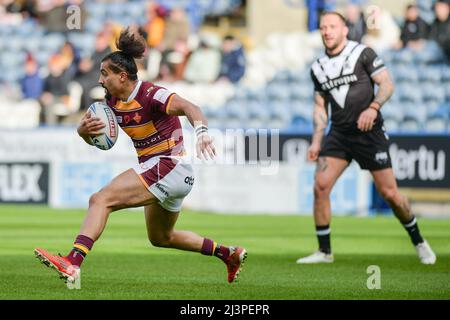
277	89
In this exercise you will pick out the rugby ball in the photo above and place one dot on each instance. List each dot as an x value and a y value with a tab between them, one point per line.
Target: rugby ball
108	138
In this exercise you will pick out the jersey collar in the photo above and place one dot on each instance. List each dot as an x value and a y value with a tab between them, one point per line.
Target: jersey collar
134	93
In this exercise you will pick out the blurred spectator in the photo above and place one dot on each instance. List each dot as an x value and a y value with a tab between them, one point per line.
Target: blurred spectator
232	66
315	9
414	30
56	92
89	69
155	24
53	15
112	31
174	46
25	7
173	62
31	84
382	31
440	28
355	22
71	58
177	28
203	64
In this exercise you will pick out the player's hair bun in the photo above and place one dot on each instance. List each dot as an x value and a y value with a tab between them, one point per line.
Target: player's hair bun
131	44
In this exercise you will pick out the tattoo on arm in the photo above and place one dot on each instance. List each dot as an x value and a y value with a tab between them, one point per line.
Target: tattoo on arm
320	117
385	87
322	164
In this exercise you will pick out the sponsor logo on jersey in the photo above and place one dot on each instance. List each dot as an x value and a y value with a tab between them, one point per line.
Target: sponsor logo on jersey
377	62
162	95
137	117
334	83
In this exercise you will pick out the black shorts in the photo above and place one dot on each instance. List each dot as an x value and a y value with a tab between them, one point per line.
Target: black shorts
369	149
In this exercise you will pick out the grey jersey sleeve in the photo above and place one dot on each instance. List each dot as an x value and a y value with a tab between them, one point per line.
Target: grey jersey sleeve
371	62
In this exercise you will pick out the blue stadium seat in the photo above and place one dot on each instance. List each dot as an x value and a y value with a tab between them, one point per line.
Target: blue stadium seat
403	56
33	43
15	43
415	112
301	92
258	115
12	59
404	73
410	125
258	95
436	125
52	42
300	108
96	10
12	74
301	123
216	116
277	92
445	73
446	87
391	125
433	93
282	77
409	93
429	73
279	115
393	110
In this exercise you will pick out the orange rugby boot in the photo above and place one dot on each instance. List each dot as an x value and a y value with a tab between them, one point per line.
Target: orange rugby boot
234	262
62	265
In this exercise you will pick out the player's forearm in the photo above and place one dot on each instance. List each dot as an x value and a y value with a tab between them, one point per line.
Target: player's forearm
385	91
195	116
320	123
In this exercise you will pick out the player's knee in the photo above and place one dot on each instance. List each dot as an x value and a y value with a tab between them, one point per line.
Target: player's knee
161	240
98	199
321	190
390	195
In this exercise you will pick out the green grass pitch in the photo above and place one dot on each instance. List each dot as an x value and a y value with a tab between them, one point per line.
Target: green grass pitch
123	264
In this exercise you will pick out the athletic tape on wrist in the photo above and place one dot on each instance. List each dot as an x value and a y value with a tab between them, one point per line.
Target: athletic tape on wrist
201	130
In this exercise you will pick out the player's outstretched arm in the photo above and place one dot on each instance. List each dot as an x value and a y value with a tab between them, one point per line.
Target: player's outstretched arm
89	126
320	123
182	107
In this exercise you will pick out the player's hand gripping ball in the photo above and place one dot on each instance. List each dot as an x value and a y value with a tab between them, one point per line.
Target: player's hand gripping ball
108	138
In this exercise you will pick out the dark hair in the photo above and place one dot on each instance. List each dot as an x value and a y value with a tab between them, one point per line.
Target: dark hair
131	46
333	13
229	37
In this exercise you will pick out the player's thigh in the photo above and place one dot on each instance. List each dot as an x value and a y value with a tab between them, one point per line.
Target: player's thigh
328	170
159	221
126	191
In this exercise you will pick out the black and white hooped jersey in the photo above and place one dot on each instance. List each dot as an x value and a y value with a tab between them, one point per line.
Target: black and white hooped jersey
345	80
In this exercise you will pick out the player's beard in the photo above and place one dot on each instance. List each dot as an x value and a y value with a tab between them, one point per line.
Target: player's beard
334	45
107	94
